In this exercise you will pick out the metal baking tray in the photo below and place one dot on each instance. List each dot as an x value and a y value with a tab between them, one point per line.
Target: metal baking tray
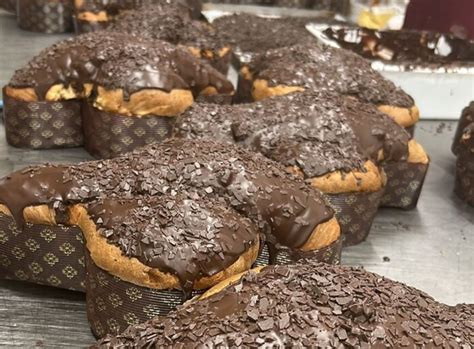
440	93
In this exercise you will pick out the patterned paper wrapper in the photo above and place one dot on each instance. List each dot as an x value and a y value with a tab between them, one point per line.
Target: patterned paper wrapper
355	213
45	16
81	26
42	125
108	135
8	5
114	304
330	254
404	184
42	254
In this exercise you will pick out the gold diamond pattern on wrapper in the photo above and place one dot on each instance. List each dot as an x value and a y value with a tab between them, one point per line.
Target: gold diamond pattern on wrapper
108	135
114	304
47	255
42	125
355	213
404	184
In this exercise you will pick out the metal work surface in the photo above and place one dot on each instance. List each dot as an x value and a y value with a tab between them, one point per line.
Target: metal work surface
431	248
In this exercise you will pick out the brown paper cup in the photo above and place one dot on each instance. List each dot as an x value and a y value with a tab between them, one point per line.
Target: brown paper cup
42	254
108	135
42	125
82	26
45	16
330	254
404	184
114	304
355	213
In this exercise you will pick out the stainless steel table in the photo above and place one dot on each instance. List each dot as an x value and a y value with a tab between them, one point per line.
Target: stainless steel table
431	248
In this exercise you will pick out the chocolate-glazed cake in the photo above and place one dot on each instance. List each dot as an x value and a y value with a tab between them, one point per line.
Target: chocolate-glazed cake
130	89
93	15
463	148
169	24
163	222
310	135
307	305
309	66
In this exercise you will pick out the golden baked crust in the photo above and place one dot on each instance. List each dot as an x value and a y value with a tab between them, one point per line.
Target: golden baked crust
323	235
144	102
27	94
338	182
55	93
405	117
416	153
227	282
100	16
261	90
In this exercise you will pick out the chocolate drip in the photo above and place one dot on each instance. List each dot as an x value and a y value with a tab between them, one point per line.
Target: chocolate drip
307	305
328	69
35	186
376	131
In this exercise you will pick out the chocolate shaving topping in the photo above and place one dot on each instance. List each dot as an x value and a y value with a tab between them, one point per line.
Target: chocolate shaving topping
309	130
297	316
318	68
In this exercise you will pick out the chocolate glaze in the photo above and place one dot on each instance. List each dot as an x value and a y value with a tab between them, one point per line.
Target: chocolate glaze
406	46
179	174
116	60
309	130
376	130
329	69
35	185
308	305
